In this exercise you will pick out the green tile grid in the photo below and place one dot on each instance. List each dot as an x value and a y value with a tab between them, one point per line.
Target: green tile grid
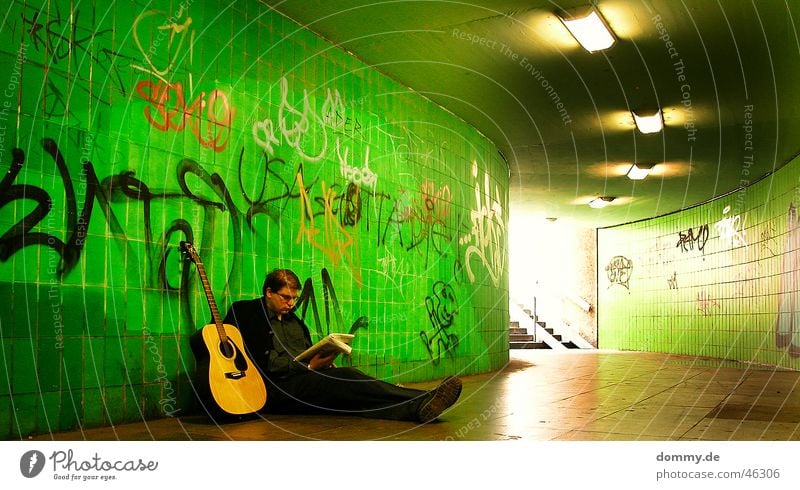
285	152
719	280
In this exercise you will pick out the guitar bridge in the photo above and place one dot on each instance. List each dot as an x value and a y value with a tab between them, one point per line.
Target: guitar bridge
235	375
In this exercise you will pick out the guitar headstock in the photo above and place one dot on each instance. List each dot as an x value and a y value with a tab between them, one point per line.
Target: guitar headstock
188	249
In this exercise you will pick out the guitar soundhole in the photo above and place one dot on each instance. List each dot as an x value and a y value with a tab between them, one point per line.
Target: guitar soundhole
227	349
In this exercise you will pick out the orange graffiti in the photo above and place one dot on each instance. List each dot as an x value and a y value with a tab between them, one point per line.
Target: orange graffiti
332	239
209	119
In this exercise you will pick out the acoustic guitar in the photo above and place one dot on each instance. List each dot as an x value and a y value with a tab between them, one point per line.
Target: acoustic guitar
226	377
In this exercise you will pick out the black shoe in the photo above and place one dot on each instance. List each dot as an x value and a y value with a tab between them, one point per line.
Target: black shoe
439	399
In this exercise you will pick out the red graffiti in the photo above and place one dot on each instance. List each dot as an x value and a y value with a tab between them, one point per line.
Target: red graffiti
209	118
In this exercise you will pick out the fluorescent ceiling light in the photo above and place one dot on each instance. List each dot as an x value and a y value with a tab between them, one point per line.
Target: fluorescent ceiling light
590	31
601	202
649	124
639	171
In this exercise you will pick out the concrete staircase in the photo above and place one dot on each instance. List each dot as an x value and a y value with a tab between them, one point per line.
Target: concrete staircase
525	332
519	338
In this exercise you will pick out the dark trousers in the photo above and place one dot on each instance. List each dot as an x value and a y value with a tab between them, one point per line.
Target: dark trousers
342	391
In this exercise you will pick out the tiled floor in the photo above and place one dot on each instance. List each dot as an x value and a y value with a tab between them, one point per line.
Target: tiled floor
546	395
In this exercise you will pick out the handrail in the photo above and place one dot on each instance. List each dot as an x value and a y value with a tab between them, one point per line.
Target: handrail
574	334
582	303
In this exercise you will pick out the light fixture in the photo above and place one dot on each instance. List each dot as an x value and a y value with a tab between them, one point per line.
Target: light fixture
649	124
590	31
639	171
601	202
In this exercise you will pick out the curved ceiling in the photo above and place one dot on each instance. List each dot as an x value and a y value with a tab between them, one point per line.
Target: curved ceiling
723	73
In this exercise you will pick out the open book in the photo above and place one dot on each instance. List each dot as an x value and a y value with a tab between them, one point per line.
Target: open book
335	342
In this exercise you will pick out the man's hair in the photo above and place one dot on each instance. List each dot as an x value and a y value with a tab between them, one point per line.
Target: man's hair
278	279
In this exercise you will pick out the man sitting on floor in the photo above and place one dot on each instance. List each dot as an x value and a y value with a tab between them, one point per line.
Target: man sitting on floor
273	335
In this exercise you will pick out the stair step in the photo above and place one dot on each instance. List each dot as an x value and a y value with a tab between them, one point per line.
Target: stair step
528	345
519	338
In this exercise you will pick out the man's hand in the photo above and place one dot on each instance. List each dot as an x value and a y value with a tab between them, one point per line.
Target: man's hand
321	362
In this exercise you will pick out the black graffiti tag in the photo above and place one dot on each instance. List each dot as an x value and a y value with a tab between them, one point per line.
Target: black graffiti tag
20	235
687	241
619	271
333	319
442	308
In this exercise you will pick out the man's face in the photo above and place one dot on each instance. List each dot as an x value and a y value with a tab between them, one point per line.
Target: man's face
282	301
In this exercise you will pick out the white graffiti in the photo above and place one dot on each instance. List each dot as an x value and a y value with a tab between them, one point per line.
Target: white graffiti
732	230
264	134
487	236
359	176
392	268
294	124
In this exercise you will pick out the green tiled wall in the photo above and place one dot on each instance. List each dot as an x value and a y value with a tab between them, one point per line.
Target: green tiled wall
125	129
719	280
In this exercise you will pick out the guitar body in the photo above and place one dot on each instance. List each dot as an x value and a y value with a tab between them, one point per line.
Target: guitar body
228	379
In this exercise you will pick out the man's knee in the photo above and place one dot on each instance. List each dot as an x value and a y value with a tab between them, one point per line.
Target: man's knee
346	373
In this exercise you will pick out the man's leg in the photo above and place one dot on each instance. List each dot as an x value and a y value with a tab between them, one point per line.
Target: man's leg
345	391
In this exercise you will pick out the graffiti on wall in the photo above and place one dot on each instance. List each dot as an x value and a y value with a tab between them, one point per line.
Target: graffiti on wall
293	124
486	240
215	209
673	280
360	176
327	234
690	239
442	308
619	270
24	234
71	49
769	242
113	190
209	116
327	212
706	304
332	320
731	229
170	44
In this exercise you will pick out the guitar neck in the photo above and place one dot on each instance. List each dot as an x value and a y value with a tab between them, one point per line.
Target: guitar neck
211	303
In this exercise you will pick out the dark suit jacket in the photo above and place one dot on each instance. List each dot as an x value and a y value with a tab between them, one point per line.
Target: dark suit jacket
250	317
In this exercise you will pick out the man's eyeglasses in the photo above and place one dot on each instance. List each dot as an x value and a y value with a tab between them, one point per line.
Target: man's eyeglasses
287	297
